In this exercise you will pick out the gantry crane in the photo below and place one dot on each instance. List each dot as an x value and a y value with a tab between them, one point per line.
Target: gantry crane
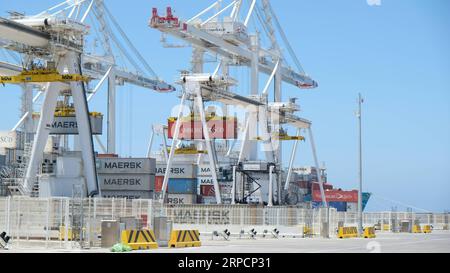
58	35
228	38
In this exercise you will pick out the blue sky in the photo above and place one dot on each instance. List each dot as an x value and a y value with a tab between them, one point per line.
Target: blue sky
396	54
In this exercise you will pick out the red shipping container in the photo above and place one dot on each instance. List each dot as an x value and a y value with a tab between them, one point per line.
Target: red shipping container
207	190
303	184
336	196
158	183
218	129
315	186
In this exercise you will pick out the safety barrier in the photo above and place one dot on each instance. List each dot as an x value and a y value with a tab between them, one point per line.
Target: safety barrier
62	233
347	232
4	240
416	229
369	232
139	239
184	238
427	229
307	232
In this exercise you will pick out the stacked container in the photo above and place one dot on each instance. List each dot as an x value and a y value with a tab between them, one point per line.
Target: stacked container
182	186
131	178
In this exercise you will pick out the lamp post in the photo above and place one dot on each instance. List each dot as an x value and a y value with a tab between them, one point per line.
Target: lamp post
360	217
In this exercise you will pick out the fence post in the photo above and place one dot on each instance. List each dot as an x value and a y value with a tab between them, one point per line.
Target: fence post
8	214
66	223
19	217
47	235
112	209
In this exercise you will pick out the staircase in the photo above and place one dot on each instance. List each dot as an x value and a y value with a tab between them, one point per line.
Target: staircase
16	179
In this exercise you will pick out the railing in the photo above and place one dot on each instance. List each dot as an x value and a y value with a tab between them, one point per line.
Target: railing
39	220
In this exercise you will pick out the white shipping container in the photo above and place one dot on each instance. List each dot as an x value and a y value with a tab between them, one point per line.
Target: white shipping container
204	170
205	181
126	182
126	165
128	194
177	170
180	199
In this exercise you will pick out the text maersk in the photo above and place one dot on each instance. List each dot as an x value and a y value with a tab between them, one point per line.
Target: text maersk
124	181
172	170
123	165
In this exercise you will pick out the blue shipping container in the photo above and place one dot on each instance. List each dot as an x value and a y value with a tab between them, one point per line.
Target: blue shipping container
182	185
339	206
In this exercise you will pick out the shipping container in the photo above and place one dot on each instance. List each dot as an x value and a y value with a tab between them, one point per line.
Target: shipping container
255	166
205	170
182	186
69	125
339	206
336	196
158	183
218	129
205	181
207	190
181	199
128	194
126	165
126	182
208	200
177	170
326	186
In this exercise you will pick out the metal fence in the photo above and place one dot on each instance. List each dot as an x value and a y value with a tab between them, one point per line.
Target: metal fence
49	222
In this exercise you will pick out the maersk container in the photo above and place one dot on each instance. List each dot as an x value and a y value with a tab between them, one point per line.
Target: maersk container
128	194
182	186
114	165
126	182
204	170
181	199
177	170
69	125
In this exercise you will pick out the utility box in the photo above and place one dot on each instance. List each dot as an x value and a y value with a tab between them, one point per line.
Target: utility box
162	228
110	233
325	230
131	223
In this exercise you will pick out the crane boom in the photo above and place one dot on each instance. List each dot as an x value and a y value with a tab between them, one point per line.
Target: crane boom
239	52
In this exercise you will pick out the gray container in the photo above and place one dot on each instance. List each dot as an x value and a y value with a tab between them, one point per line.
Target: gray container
110	233
128	194
126	165
181	199
177	170
69	125
126	182
255	166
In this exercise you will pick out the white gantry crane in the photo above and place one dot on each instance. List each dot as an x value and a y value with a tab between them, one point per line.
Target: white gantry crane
222	30
59	36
